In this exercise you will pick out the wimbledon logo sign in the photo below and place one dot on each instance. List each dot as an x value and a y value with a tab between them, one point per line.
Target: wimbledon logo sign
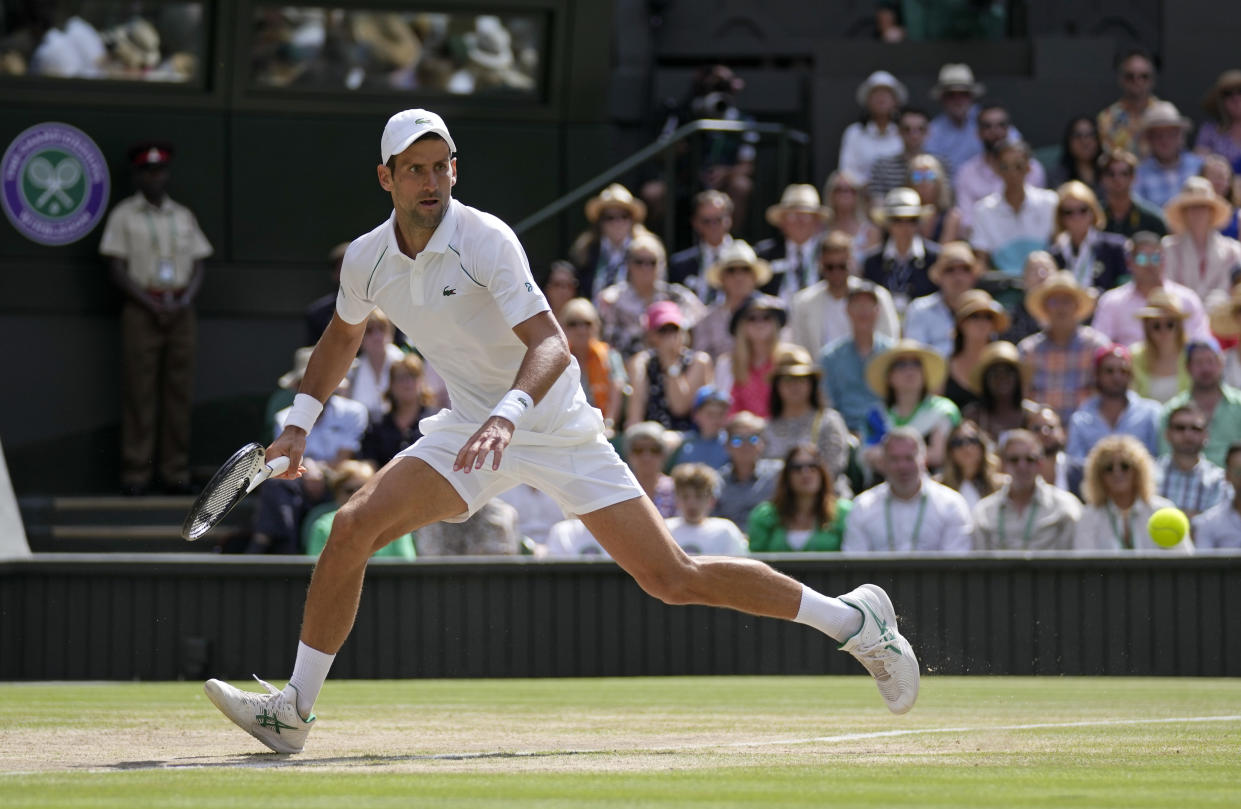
55	183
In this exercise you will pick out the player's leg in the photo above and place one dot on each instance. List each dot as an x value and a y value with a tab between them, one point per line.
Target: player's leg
404	496
635	535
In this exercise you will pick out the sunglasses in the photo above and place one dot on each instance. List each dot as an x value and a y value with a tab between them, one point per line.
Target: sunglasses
1074	211
642	261
1186	428
983	315
733	269
646	449
803	466
738	441
1083	133
758	317
914	128
993	124
833	266
573	324
1148	259
668	328
907	362
1015	167
957	443
1125	172
1014	460
1120	466
903	220
710	220
1231	92
950	268
923	176
1131	76
615	216
1162	325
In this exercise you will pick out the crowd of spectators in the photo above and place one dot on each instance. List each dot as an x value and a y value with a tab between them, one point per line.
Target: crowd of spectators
949	346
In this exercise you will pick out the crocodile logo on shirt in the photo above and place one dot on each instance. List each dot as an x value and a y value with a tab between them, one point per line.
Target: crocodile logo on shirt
448	291
529	287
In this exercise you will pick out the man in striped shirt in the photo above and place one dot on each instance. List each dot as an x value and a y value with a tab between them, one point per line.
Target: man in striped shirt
892	171
1184	476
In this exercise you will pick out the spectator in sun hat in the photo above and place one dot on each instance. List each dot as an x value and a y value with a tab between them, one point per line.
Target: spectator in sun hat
1169	164
906	379
735	274
1000	382
1226	322
818	315
1114	408
799	413
665	376
1220	135
1062	354
900	263
616	216
705	442
1197	254
953	133
876	135
647	446
1159	370
931	319
800	217
978	320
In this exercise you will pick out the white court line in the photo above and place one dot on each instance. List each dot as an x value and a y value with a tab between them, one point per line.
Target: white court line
266	760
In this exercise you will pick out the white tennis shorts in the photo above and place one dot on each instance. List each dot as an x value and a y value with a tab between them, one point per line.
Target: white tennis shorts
581	478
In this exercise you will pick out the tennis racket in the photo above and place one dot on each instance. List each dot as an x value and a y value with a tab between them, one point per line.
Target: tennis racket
238	477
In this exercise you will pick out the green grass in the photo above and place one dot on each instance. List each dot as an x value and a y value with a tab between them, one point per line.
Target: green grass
669	742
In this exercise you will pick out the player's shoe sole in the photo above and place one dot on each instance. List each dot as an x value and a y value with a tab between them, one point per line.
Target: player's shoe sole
881	649
271	718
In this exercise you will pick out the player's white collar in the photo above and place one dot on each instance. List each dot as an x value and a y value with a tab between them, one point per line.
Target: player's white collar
440	239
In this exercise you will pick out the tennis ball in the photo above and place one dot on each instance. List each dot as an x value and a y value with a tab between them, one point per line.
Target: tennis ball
1167	526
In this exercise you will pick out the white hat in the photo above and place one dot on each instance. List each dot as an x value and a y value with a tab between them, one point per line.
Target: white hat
408	126
881	78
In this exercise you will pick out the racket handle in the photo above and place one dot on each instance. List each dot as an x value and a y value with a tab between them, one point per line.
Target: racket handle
277	466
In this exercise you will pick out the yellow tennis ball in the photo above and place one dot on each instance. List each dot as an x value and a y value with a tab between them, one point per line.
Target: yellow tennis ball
1167	526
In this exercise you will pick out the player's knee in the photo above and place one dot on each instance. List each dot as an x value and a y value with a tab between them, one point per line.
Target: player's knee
350	533
675	585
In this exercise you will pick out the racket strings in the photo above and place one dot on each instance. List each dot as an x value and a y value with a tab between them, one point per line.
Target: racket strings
223	492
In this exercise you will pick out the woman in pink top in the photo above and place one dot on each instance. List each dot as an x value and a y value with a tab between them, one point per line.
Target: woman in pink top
755	327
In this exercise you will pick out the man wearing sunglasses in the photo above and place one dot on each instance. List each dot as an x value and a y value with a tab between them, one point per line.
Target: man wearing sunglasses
1220	526
747	479
1027	513
1116	313
1120	123
1183	475
1220	403
889	172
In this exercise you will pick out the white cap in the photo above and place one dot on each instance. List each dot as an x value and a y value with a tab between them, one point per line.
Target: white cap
408	126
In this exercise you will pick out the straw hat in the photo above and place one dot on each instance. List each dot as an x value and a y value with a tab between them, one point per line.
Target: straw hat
1225	316
973	301
1061	281
739	252
1228	80
797	197
293	377
1196	191
1160	304
901	203
793	360
1163	113
881	78
996	353
934	368
615	196
954	253
956	77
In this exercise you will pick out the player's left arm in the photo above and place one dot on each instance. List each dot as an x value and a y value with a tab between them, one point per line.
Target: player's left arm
547	356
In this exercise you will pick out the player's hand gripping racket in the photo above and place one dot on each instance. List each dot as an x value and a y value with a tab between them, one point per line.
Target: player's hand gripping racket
238	477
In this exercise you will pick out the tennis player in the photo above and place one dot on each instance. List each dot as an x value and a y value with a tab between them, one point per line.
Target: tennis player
456	281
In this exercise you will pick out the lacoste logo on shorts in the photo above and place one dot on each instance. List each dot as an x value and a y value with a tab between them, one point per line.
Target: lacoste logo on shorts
448	291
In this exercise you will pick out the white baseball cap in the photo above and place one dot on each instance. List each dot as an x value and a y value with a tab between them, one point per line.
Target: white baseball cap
408	126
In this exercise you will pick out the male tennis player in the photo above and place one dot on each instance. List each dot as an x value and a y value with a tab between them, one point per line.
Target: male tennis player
458	283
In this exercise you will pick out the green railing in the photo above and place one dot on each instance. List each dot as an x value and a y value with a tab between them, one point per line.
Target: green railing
786	140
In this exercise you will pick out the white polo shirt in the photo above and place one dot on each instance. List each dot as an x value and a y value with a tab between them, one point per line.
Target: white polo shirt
1009	235
938	519
458	302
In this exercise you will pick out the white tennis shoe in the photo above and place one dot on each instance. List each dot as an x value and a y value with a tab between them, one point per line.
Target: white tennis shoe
881	649
271	718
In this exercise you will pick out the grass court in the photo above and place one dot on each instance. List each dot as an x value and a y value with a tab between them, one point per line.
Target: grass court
657	742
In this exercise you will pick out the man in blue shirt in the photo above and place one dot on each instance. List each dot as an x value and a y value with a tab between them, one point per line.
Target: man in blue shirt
1115	408
844	359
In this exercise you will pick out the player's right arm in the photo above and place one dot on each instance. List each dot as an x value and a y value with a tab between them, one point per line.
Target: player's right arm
329	363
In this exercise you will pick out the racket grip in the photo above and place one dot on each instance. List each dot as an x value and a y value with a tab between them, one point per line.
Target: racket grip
276	467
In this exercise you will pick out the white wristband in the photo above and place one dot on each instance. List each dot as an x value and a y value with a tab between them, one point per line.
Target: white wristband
304	413
514	406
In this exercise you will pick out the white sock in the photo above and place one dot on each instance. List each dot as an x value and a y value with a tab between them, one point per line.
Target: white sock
831	616
309	673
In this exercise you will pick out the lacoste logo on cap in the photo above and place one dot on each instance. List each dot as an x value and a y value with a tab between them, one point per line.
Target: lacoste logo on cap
448	291
422	120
